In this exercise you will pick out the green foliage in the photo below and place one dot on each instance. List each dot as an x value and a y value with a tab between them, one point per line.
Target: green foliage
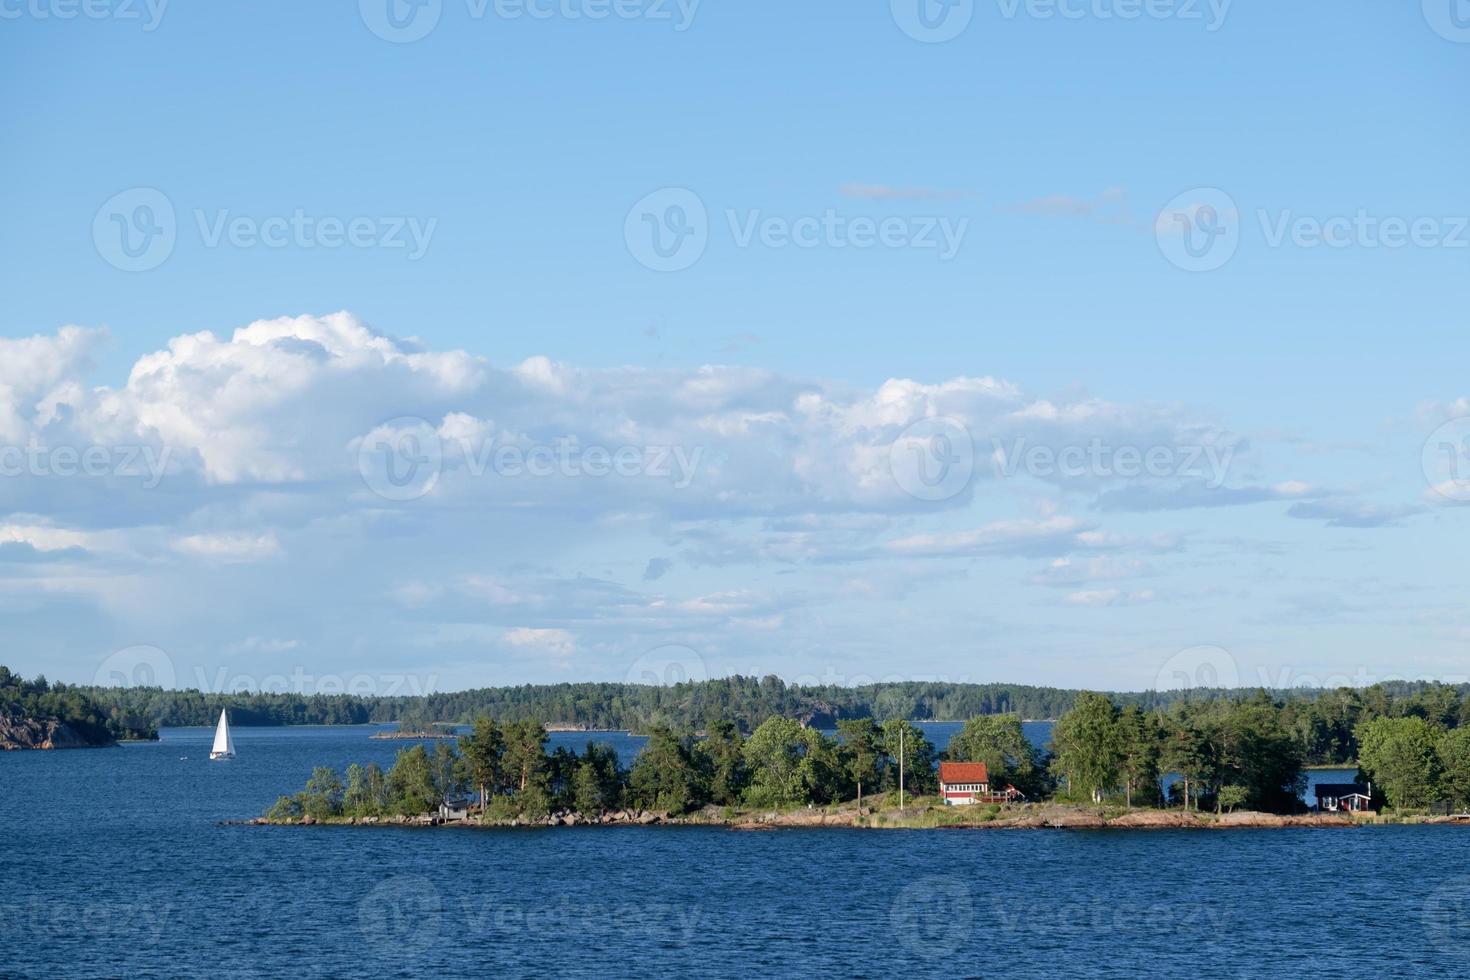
358	797
1230	753
1232	796
1249	747
525	752
722	757
666	776
861	752
323	795
534	801
1184	751
410	783
448	771
285	810
1088	743
1140	739
999	742
42	701
1322	724
918	758
790	765
1453	751
483	751
1400	756
597	783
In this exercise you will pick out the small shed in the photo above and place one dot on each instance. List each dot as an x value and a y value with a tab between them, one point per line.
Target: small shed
454	810
1344	797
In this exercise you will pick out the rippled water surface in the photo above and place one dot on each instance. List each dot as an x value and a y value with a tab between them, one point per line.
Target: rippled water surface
114	863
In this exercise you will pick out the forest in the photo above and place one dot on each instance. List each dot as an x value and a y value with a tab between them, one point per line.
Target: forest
1220	754
1322	723
41	701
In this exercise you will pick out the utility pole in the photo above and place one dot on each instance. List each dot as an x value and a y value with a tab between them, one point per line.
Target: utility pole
900	769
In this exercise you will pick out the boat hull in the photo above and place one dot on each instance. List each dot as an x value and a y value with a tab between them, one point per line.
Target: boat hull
221	755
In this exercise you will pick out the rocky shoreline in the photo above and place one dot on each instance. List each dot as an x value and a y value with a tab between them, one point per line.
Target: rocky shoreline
1021	817
20	734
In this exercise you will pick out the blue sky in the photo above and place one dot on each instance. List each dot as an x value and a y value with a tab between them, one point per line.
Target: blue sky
502	174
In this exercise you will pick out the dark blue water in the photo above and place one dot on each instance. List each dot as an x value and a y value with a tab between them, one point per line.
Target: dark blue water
113	863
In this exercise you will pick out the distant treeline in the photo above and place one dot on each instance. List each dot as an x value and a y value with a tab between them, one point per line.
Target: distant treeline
1322	723
40	700
747	701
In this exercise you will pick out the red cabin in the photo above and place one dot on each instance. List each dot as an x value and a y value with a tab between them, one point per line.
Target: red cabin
963	783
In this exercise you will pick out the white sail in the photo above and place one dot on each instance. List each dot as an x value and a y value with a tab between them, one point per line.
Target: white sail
224	742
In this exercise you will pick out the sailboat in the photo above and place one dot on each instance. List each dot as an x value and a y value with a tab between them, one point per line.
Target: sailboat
224	742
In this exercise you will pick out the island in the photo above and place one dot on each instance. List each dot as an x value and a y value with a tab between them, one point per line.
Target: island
36	714
408	731
1208	764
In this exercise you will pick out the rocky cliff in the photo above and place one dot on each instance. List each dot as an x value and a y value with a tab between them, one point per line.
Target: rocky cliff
19	732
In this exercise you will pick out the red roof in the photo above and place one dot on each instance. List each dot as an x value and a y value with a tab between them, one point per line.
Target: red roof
963	772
